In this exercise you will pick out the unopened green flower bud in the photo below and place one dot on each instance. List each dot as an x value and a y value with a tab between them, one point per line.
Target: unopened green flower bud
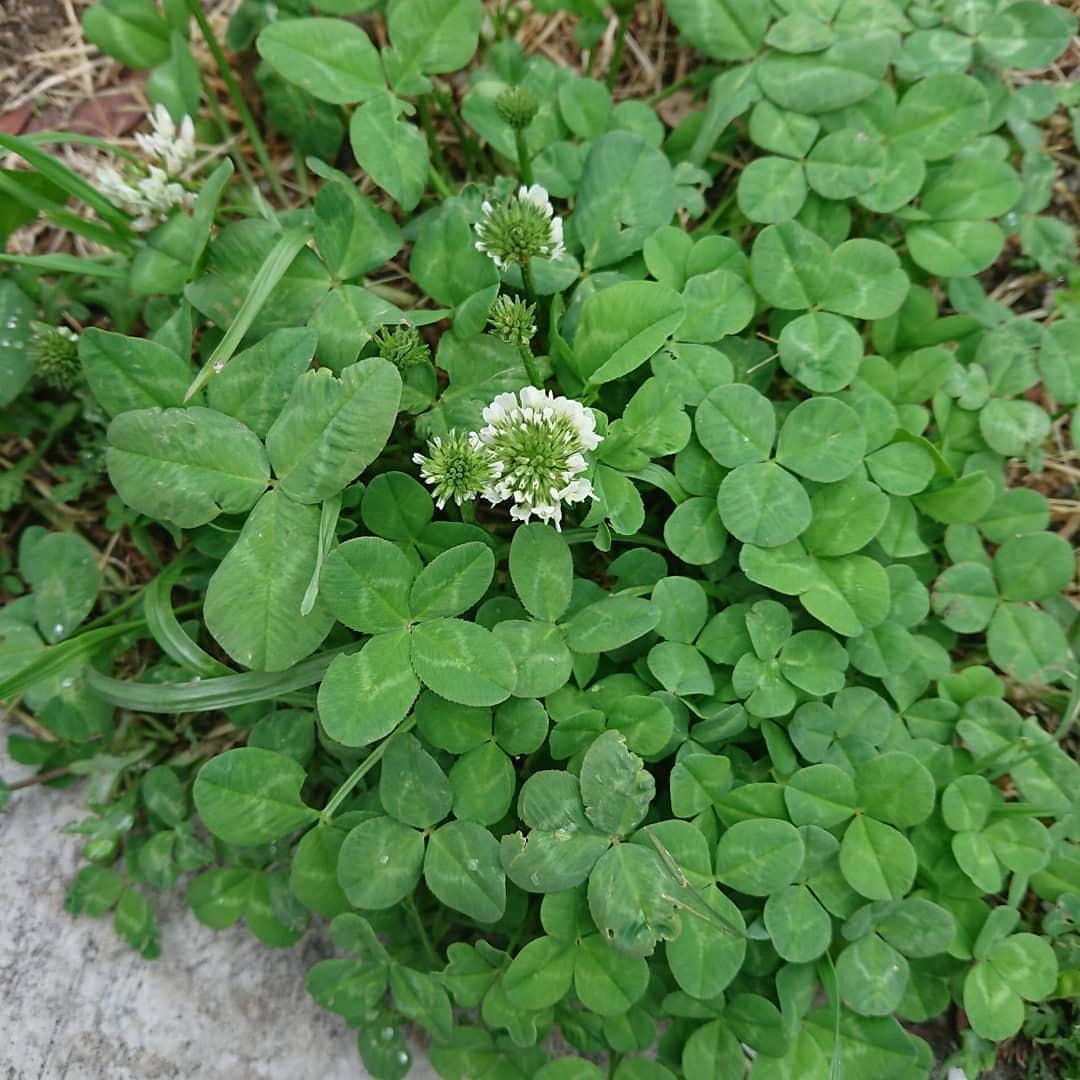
517	106
402	346
456	467
54	352
511	319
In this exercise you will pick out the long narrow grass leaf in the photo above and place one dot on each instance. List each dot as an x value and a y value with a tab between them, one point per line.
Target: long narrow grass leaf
167	631
208	695
70	181
56	658
56	213
270	273
67	264
47	138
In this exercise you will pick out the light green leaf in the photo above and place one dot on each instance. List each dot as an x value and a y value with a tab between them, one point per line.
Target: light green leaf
331	429
380	862
257	382
610	623
365	695
462	870
253	599
128	373
821	350
62	570
822	439
622	327
452	581
430	37
871	976
772	189
736	425
366	584
626	898
760	856
391	150
251	796
790	266
866	280
895	787
763	504
542	570
722	29
876	860
185	465
799	927
333	60
615	789
463	662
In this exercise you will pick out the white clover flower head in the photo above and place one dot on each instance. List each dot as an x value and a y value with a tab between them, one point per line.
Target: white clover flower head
456	467
114	187
172	148
526	227
537	443
151	191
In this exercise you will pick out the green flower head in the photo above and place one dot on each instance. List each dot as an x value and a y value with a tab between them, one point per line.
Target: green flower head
516	231
456	467
517	106
54	352
402	346
511	320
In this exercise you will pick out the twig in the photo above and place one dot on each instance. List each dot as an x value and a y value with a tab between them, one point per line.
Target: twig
40	778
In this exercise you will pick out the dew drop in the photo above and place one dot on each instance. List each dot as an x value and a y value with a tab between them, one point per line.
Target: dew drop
386	1034
473	864
58	629
218	365
67	684
384	859
534	878
402	1057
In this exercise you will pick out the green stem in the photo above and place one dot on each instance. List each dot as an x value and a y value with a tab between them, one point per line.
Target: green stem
531	369
524	161
677	85
437	156
362	770
238	101
303	177
227	137
528	281
414	915
708	222
439	184
445	100
616	58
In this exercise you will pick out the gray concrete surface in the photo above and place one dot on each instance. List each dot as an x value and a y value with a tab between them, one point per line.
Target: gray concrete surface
77	1004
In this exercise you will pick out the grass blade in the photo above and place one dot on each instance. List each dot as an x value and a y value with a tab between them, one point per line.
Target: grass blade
167	631
56	658
67	264
70	181
209	695
270	273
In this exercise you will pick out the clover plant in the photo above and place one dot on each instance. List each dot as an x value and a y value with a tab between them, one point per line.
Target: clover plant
603	590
